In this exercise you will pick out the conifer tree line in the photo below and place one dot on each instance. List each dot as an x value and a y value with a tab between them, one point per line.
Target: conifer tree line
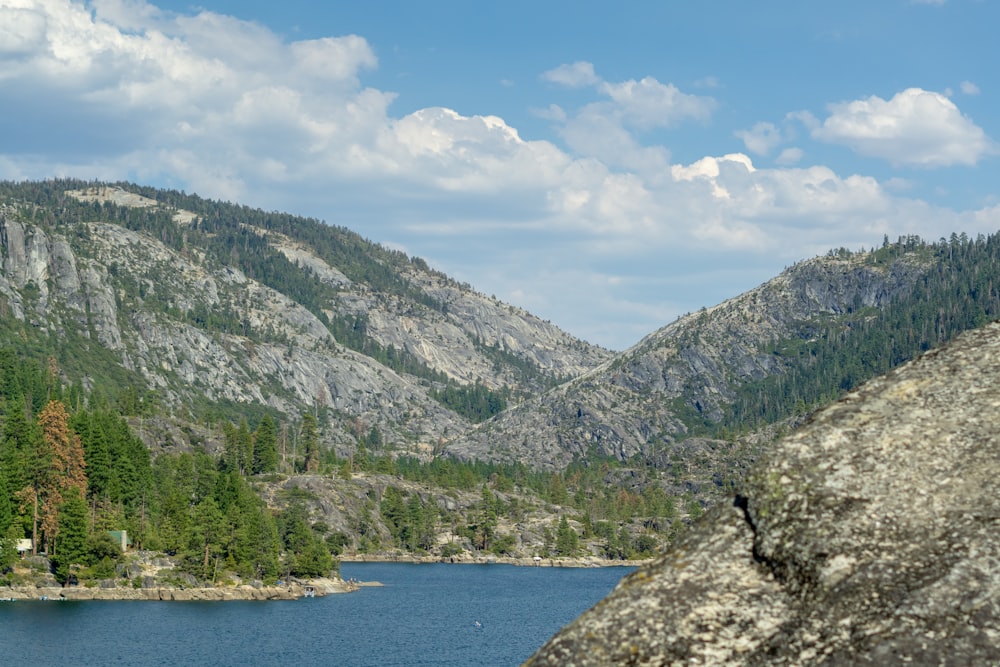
68	478
958	291
233	235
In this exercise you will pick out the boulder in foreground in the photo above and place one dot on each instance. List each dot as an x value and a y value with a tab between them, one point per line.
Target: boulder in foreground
870	536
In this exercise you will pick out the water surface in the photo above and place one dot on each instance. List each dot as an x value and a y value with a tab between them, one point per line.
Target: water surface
426	614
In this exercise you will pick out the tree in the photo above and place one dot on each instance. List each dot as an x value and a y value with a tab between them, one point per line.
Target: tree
265	446
6	508
486	519
72	541
310	443
238	448
567	541
306	554
24	461
97	453
52	462
66	465
207	534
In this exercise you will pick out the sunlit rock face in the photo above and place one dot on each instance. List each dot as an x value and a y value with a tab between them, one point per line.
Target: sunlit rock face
628	406
136	302
870	536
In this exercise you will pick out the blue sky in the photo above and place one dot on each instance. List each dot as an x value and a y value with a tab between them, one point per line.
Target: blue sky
606	166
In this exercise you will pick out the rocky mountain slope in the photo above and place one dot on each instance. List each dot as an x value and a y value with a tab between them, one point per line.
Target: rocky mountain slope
692	377
116	280
866	538
189	316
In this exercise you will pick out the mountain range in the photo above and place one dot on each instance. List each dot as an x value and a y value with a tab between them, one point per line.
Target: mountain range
188	313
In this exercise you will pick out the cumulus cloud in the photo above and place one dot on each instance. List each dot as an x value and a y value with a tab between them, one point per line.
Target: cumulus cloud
606	129
761	139
575	75
969	88
915	128
648	103
22	30
789	156
119	89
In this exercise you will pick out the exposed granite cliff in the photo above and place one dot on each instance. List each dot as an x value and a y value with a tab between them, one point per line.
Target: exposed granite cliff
867	537
149	308
637	403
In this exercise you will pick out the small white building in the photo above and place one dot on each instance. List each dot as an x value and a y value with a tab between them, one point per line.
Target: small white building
23	547
121	539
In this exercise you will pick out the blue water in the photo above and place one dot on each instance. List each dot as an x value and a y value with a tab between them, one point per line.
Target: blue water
424	615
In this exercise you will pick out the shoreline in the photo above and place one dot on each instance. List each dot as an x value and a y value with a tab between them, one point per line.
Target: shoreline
288	591
491	560
291	591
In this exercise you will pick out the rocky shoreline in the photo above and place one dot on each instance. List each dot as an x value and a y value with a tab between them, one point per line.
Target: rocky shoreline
47	589
467	559
288	591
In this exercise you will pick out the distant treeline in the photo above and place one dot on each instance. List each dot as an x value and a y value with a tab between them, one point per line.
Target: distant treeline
233	235
959	290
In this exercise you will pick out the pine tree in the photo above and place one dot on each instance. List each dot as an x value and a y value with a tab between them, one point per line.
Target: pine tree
52	462
96	450
310	443
265	447
208	530
67	450
567	540
6	507
72	541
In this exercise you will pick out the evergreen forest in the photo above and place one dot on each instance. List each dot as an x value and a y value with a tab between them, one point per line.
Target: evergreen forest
74	469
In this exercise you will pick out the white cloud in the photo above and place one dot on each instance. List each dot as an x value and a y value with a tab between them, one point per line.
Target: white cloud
806	118
597	132
916	127
604	130
576	75
789	156
22	30
648	103
969	88
230	110
551	112
761	139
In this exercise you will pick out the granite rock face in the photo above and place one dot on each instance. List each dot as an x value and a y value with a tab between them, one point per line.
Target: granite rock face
628	406
868	537
136	302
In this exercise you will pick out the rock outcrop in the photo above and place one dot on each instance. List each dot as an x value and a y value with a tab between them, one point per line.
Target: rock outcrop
192	328
172	593
642	401
868	537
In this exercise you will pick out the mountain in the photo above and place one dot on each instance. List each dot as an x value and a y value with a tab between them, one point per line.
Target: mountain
868	537
764	358
220	308
213	327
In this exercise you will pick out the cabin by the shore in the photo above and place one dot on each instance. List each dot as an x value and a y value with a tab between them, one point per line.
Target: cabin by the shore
121	539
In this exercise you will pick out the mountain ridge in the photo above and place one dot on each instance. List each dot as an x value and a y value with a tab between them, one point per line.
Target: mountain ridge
199	320
694	362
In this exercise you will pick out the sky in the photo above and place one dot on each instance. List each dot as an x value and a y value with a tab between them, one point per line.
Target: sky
606	166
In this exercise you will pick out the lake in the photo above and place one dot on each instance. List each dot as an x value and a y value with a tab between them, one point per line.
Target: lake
426	614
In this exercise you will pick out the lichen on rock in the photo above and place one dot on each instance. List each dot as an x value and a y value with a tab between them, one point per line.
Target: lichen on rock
869	536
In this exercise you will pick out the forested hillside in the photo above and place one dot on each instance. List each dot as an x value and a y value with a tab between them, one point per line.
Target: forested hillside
258	393
699	398
68	476
219	310
66	479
